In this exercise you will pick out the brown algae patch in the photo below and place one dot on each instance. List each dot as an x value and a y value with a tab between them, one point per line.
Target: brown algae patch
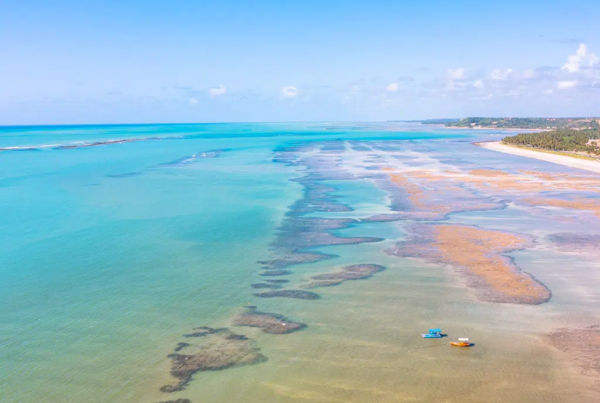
478	255
215	349
352	272
582	347
488	173
271	323
434	195
592	205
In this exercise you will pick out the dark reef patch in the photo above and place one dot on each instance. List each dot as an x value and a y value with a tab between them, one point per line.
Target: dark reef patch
271	323
384	218
274	273
125	175
181	346
178	401
297	294
352	272
204	331
265	285
217	350
299	234
278	281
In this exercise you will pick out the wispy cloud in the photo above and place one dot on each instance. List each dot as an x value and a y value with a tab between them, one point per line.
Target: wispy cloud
289	92
500	74
217	91
564	85
455	74
193	101
392	87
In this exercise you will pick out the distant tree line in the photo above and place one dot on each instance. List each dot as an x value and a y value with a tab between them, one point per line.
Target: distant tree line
439	121
527	123
559	140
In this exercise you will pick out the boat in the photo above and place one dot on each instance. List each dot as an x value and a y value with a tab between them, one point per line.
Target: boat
433	334
461	343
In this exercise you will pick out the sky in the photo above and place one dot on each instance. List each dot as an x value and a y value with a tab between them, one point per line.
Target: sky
128	61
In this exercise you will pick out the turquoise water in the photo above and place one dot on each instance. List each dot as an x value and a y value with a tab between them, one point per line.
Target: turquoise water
110	253
107	256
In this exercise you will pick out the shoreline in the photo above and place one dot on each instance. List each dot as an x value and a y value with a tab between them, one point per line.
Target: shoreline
572	162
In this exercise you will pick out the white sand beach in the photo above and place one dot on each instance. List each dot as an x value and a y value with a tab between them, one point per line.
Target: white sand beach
572	162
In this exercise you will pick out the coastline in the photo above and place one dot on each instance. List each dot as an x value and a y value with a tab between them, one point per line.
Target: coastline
572	162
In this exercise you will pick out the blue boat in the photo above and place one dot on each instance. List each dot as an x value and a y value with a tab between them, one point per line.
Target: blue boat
433	334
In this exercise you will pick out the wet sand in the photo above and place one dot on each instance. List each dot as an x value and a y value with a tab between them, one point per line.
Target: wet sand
582	347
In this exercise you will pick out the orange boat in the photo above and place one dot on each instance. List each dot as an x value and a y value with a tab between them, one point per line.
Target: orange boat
461	343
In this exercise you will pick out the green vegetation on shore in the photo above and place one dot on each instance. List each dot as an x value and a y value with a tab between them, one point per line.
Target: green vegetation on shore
566	140
523	123
563	153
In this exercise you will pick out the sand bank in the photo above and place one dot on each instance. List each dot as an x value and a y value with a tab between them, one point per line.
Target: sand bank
572	162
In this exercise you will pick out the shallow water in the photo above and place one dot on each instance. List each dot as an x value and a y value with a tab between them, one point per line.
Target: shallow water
110	253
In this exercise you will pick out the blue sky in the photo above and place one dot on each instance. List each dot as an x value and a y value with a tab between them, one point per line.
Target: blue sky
119	61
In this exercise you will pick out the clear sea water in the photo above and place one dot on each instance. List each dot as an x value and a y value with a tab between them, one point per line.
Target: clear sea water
109	254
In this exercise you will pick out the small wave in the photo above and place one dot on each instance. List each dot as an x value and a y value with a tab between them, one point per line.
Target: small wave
191	158
83	144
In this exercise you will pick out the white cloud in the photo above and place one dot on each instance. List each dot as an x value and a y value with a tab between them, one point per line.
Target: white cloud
563	85
193	101
529	73
392	87
479	84
455	74
218	91
499	74
289	91
581	58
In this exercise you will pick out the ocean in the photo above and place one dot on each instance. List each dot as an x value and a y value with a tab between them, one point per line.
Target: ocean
127	247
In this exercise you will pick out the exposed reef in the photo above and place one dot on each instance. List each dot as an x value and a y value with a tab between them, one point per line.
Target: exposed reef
428	195
297	294
178	401
586	204
215	349
478	256
353	272
271	323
